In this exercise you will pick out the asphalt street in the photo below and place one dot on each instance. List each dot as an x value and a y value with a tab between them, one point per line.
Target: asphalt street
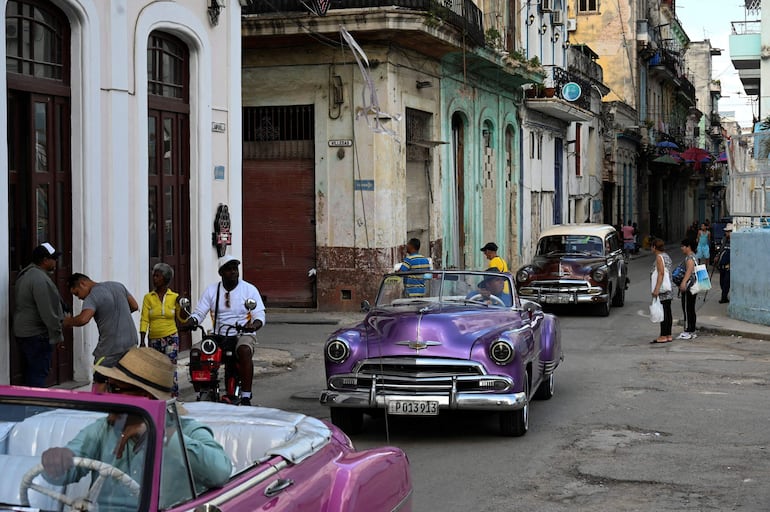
632	427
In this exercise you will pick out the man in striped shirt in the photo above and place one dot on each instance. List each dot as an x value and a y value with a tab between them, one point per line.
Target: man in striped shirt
414	286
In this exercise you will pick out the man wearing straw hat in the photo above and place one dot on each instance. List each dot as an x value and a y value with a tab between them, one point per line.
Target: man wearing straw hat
119	439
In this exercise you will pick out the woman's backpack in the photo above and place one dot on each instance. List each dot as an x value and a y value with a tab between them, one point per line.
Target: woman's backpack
678	274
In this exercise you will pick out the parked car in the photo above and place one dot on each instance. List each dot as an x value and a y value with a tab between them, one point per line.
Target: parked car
280	460
468	344
576	264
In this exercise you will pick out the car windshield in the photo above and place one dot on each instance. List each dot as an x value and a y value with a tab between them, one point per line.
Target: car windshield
570	244
95	435
487	289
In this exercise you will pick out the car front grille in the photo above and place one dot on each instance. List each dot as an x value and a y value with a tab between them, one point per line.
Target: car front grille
562	285
420	376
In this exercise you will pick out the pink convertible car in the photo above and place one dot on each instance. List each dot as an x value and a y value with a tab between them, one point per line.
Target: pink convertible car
279	460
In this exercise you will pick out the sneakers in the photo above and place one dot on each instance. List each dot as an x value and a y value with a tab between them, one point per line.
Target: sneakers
724	301
245	401
687	336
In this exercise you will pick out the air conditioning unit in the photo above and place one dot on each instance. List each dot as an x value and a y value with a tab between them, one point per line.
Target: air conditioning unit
642	31
546	5
557	18
571	24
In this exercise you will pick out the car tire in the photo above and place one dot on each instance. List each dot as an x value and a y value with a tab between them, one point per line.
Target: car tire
350	421
620	297
516	423
545	389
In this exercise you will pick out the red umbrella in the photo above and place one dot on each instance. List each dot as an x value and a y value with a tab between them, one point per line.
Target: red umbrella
695	155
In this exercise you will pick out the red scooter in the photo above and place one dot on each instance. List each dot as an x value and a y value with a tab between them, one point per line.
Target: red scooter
207	358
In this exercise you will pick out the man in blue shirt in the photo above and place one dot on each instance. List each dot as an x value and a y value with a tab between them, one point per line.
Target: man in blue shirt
414	286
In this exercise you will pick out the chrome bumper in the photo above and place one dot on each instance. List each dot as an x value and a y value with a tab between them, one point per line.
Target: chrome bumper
456	400
566	296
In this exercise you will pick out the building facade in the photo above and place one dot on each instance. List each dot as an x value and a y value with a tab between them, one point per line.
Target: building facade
411	130
123	139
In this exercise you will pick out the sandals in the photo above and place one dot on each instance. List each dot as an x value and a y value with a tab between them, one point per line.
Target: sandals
656	340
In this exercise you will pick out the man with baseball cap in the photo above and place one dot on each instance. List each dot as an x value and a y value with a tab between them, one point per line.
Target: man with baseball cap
38	314
225	302
120	440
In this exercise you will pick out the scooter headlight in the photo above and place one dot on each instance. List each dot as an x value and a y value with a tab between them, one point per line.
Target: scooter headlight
208	346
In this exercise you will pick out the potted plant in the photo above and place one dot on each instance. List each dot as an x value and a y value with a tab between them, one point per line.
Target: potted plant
531	92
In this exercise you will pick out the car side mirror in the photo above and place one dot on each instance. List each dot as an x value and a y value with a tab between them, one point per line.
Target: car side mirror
365	306
531	308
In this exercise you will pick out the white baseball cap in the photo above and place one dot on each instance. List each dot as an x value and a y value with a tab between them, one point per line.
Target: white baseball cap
227	258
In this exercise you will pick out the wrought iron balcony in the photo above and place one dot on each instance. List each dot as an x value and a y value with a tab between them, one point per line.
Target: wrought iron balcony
562	76
464	15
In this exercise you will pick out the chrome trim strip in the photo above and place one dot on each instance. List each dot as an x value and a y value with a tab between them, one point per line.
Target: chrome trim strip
248	484
405	500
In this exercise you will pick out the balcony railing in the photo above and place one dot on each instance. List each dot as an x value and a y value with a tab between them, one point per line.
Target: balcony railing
561	77
464	15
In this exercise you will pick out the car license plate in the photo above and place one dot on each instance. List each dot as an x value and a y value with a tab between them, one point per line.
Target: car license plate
413	407
559	298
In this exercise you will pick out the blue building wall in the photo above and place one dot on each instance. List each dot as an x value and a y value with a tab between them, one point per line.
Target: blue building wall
749	279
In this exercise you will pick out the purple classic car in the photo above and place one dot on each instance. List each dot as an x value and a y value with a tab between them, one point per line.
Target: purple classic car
440	340
279	460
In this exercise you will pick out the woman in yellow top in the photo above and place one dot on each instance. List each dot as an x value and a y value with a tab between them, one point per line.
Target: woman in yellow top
159	317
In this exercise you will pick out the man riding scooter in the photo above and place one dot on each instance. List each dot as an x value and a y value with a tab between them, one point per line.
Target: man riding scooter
225	302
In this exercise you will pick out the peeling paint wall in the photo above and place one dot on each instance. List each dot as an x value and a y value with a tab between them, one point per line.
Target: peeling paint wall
491	173
361	190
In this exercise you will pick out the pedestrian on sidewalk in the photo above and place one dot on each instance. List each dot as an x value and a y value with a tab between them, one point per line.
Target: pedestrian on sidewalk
38	314
158	320
110	304
703	251
662	265
722	261
688	299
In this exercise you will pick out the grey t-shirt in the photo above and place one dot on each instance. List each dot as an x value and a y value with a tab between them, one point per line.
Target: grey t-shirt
117	331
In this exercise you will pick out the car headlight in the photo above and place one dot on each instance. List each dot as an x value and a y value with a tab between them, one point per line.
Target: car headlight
600	274
522	276
501	352
337	351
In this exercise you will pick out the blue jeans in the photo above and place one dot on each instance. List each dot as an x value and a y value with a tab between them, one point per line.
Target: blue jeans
37	353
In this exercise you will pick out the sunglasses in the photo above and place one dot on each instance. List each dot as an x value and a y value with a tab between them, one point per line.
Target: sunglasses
227	299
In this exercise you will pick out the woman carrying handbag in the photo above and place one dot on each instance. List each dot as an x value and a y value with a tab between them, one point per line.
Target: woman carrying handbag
660	282
688	298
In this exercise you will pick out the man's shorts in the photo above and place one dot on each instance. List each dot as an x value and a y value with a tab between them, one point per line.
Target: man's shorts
244	340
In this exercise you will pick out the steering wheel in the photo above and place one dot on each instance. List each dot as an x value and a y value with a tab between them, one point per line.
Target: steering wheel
494	298
84	503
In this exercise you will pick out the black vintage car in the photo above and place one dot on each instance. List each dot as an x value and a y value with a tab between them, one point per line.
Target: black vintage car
576	264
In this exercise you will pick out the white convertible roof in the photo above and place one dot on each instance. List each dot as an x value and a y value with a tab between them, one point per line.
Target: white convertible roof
600	230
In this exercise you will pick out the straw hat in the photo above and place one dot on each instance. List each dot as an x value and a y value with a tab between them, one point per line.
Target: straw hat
146	368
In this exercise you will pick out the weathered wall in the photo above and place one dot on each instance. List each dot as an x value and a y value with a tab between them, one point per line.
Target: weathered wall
360	231
748	287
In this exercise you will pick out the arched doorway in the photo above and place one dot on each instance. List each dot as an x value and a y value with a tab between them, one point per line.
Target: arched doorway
168	166
456	256
39	164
